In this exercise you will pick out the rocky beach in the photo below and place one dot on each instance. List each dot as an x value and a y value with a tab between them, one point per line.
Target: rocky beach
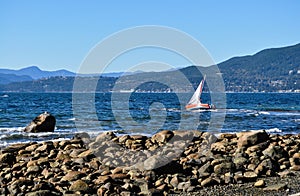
169	162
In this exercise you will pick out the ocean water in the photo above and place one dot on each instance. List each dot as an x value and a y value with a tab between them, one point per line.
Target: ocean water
144	113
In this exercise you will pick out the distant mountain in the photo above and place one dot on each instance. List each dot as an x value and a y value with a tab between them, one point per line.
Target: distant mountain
36	73
8	78
270	70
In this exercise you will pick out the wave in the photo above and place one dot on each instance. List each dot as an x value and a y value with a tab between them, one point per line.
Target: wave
11	129
273	130
264	112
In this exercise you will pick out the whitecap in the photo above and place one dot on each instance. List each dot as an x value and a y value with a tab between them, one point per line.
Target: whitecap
264	113
273	130
12	129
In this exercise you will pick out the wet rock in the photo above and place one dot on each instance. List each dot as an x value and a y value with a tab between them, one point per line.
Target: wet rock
43	123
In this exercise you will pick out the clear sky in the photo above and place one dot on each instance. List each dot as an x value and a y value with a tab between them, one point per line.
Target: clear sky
58	34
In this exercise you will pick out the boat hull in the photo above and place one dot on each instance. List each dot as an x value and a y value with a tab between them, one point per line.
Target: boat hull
202	106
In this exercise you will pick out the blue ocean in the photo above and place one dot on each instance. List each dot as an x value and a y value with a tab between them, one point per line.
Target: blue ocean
144	113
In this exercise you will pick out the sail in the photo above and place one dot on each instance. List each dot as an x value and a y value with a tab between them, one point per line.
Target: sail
196	97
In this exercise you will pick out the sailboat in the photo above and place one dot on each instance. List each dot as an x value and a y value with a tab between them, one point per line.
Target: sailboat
195	101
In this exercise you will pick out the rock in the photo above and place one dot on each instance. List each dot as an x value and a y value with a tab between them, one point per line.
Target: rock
126	193
86	155
118	176
7	158
206	168
209	182
228	177
286	173
102	179
106	136
239	177
240	162
264	166
223	168
295	168
275	187
246	139
142	184
14	188
250	176
72	175
162	137
33	169
43	123
45	147
42	193
117	170
79	185
260	183
218	147
174	181
15	147
274	152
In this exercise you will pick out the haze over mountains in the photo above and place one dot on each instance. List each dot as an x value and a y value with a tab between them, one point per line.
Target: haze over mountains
270	70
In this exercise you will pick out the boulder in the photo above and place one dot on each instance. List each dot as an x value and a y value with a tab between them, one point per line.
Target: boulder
162	137
43	123
246	139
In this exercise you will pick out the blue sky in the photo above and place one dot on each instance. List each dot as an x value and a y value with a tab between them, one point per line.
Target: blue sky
58	34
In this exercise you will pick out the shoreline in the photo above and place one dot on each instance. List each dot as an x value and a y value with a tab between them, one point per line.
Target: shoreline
169	162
